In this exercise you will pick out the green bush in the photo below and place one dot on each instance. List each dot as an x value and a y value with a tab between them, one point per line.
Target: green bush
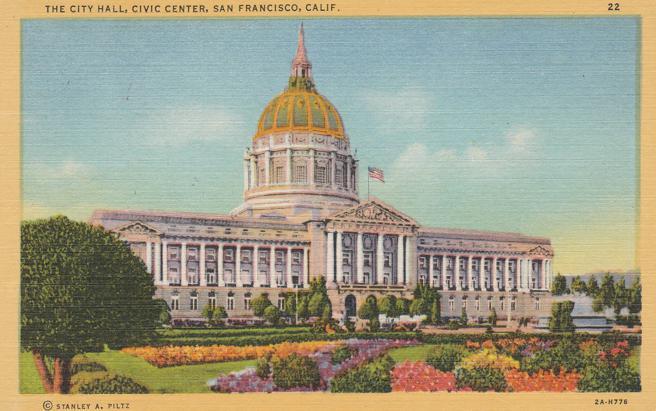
446	357
263	367
82	378
373	376
564	356
603	377
295	371
112	384
453	325
82	364
342	354
481	379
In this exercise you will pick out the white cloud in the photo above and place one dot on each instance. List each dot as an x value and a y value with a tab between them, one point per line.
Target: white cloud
174	126
399	110
66	170
521	139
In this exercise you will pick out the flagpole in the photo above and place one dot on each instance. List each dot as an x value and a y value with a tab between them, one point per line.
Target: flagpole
368	178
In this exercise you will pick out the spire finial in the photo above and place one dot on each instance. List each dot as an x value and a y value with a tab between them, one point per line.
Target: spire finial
301	73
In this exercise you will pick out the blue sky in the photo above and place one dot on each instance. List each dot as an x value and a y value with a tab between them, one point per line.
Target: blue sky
499	124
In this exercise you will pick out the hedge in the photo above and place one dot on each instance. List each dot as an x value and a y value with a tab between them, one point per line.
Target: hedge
372	376
228	332
633	339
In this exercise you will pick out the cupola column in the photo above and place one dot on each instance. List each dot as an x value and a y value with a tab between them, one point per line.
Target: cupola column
267	165
289	166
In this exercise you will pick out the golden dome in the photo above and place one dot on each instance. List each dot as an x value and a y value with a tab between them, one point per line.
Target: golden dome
300	109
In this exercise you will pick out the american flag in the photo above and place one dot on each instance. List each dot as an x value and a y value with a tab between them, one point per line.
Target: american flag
376	174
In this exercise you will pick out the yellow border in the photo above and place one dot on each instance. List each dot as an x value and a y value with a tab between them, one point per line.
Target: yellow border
10	213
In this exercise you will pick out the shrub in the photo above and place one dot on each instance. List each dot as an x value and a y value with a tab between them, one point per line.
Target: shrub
83	364
342	354
453	325
260	303
263	368
374	325
113	384
481	379
489	358
604	377
374	376
564	356
561	317
85	377
295	371
446	357
272	315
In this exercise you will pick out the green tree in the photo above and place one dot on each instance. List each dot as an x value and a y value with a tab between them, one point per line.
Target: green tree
416	307
368	310
403	306
208	313
219	315
620	296
635	297
388	306
597	304
316	304
492	319
81	288
561	317
463	316
436	314
260	303
559	286
578	286
303	312
607	291
593	287
272	315
164	317
327	313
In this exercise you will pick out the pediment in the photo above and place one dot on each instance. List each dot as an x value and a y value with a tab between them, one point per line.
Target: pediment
137	227
373	211
539	250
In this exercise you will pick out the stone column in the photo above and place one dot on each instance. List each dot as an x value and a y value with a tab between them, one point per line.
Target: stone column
456	273
158	263
443	274
430	269
543	282
311	168
149	256
267	164
246	175
289	283
238	266
219	267
254	172
411	261
360	259
183	264
348	173
338	258
256	266
399	259
273	282
529	276
333	167
289	166
330	257
306	274
165	263
470	273
505	274
203	279
380	259
495	275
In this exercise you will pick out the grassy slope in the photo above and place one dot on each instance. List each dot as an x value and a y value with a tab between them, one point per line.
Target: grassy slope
414	353
634	359
182	379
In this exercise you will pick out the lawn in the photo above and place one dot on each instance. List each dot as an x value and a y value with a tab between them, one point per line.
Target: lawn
182	379
634	359
414	353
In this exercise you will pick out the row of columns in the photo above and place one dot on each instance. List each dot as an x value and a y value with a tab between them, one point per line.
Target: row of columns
522	277
251	179
334	266
161	269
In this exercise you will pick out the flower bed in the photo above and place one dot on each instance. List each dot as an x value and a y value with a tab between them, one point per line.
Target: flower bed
185	355
363	351
542	381
419	376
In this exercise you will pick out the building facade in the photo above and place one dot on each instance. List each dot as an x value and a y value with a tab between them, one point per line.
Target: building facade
302	218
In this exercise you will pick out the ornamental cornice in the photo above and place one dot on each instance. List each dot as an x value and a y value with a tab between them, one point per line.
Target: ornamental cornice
232	240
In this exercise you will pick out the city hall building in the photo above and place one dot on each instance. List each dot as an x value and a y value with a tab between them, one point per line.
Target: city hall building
302	218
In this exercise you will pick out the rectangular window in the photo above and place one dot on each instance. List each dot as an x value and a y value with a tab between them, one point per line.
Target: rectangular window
263	276
228	255
281	303
300	174
513	305
478	304
436	264
231	303
422	263
280	174
296	258
346	258
212	302
338	177
193	304
210	254
320	176
464	304
367	259
192	253
173	253
388	259
451	305
229	277
280	279
245	256
247	303
346	277
175	303
489	305
280	257
263	257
